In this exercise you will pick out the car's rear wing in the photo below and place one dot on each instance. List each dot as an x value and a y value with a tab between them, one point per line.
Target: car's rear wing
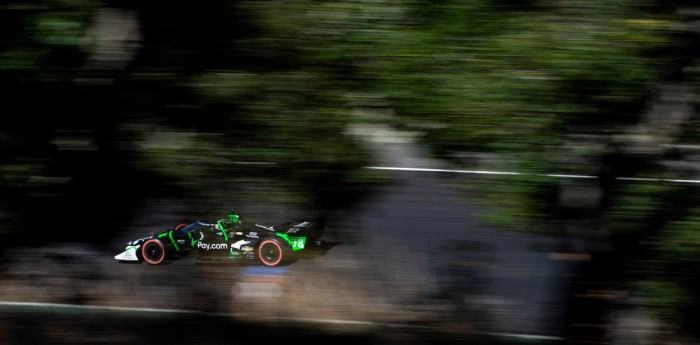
311	228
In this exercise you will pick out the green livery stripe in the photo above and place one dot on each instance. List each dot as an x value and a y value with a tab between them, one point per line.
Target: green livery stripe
173	241
223	231
296	242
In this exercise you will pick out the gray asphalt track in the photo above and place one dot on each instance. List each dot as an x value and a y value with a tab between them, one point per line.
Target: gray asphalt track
423	231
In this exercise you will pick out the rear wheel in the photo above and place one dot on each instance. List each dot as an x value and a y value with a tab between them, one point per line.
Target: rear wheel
153	252
272	253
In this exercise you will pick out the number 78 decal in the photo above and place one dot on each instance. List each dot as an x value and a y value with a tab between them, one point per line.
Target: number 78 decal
298	243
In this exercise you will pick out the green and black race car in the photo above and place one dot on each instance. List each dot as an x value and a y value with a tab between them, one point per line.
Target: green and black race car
228	240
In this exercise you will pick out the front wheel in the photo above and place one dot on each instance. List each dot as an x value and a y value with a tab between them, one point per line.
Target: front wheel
153	252
272	253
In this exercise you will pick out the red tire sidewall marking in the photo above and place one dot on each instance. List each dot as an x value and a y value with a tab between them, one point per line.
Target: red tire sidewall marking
180	227
143	252
262	258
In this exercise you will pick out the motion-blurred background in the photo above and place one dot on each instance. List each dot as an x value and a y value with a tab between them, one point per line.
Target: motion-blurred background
562	137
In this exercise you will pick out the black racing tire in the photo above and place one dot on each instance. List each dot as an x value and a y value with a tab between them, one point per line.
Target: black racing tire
153	252
180	227
272	252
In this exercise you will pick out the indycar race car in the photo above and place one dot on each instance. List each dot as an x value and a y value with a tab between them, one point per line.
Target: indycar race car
228	240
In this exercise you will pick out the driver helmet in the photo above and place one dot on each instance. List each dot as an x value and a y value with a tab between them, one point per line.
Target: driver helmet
233	216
